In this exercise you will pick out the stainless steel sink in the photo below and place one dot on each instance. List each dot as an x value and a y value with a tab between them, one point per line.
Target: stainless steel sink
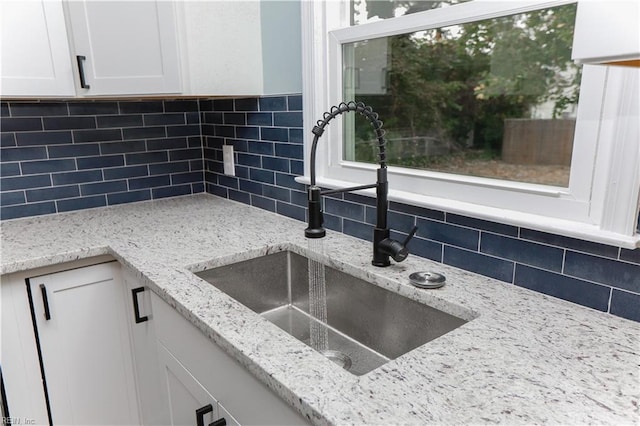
367	325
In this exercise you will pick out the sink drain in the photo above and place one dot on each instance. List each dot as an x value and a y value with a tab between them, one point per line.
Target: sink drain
338	357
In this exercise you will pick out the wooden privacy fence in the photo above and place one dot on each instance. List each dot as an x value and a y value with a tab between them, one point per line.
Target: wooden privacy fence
543	141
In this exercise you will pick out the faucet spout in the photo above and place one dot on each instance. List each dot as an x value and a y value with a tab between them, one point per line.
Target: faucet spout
384	247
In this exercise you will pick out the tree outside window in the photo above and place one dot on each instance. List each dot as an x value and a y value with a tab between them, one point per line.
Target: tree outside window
493	98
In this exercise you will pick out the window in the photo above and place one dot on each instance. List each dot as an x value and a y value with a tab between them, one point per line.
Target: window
495	98
518	78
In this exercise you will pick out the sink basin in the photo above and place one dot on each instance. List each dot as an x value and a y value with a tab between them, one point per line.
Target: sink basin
367	325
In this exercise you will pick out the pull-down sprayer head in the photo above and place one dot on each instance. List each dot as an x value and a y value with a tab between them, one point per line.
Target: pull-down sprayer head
315	229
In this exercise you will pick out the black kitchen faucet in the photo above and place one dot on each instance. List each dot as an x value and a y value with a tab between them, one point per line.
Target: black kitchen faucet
383	246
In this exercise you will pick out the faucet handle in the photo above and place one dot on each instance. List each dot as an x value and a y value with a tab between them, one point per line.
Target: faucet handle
410	236
398	251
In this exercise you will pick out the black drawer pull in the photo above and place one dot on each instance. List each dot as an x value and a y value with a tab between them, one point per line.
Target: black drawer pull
200	412
45	302
220	422
136	307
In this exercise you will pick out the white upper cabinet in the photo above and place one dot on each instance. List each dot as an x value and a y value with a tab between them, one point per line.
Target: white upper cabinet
93	48
34	52
281	37
236	48
221	49
103	48
125	47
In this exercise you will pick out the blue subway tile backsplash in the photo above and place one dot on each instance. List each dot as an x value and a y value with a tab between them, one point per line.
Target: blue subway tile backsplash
25	182
277	134
141	107
63	156
578	291
625	305
493	267
53	193
30	209
12	198
9	169
524	252
260	119
128	197
127	120
81	203
24	153
287	119
344	209
41	109
454	235
622	275
274	103
69	123
20	124
8	140
570	243
101	108
48	138
247	104
294	102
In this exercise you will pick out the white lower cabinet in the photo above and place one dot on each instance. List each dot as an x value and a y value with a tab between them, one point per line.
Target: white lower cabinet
66	349
189	400
196	372
84	343
152	398
86	350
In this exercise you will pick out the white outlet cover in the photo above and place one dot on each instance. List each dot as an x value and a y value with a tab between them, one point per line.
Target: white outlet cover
227	158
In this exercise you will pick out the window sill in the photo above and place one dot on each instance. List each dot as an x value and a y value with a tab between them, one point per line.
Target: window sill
552	225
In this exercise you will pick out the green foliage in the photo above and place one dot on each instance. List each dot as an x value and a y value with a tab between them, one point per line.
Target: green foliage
459	84
531	58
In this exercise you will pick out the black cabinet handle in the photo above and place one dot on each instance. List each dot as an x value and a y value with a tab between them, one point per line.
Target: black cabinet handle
83	82
220	422
200	412
136	307
45	302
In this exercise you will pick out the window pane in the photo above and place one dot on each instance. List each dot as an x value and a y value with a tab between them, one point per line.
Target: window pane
363	11
494	98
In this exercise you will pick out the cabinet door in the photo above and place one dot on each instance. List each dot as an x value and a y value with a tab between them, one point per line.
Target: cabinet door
248	400
221	47
85	345
152	398
129	47
34	59
18	355
186	394
224	414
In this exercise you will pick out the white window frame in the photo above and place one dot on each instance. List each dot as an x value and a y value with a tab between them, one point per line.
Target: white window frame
601	203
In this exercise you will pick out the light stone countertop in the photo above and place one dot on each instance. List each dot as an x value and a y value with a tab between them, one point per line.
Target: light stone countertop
523	358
